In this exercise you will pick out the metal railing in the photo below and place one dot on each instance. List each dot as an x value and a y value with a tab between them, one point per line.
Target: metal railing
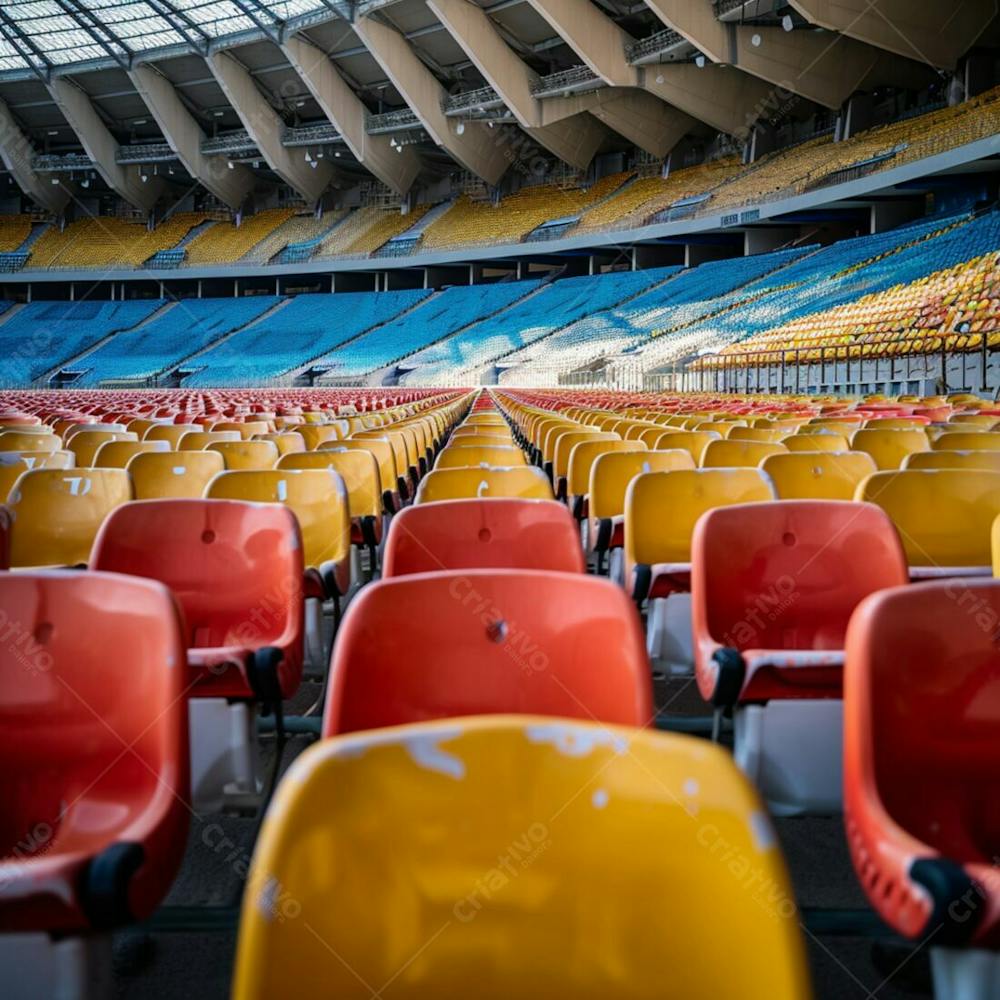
653	45
392	121
574	79
324	134
482	99
146	152
60	162
235	142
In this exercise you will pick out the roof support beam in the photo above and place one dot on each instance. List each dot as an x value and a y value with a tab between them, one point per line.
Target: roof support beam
102	147
396	167
478	149
932	33
574	140
264	126
16	152
595	38
824	68
642	119
184	135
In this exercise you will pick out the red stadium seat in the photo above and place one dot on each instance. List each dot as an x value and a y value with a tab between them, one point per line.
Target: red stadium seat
773	587
236	569
436	645
486	533
921	767
93	748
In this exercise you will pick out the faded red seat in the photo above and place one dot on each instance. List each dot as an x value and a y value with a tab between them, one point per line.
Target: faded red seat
93	750
481	534
773	589
922	761
236	570
436	645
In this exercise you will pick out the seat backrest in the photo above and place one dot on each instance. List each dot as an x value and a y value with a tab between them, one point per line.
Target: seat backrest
174	474
768	435
200	440
968	441
29	441
313	435
662	508
442	801
825	441
487	533
462	483
694	442
542	642
457	456
944	516
317	497
45	459
96	733
57	512
481	440
987	460
729	454
789	575
611	473
246	428
12	466
5	524
86	444
172	433
247	454
117	454
889	448
287	442
922	715
585	454
235	568
818	475
383	454
358	469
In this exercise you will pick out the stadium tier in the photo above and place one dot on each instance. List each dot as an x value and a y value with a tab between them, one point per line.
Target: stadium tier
499	500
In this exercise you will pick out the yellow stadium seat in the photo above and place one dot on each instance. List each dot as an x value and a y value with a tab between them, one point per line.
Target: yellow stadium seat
318	498
246	454
889	448
12	465
86	444
287	442
661	509
456	456
172	433
988	460
200	440
117	454
174	474
246	429
816	442
996	547
585	453
465	482
46	459
820	475
944	516
29	441
378	865
738	454
959	441
57	513
313	435
768	435
694	442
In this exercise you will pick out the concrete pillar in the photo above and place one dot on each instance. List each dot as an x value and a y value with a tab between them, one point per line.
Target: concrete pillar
264	126
102	147
396	167
475	148
16	152
184	135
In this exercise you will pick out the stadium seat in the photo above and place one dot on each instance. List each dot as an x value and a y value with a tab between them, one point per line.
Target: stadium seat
819	475
826	441
986	460
29	441
117	454
360	474
581	461
175	474
483	533
889	448
729	454
287	442
236	570
95	754
394	486
437	810
200	440
609	478
463	483
456	456
56	513
246	454
694	442
12	465
542	643
944	517
921	735
5	525
959	441
172	433
773	587
86	444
